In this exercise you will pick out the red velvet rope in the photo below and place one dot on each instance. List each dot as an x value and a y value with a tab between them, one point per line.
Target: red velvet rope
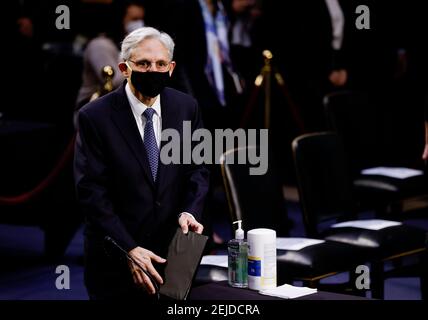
46	182
250	106
293	108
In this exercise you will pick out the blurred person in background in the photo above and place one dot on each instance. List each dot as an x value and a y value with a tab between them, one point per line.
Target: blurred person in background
103	49
205	67
328	43
246	37
23	33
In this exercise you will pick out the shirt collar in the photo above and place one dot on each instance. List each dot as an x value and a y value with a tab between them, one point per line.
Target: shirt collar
138	107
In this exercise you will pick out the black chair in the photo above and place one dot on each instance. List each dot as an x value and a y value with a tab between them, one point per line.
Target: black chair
326	196
258	201
353	116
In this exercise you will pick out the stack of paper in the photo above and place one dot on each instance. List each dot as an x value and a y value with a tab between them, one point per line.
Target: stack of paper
287	291
296	244
398	173
212	260
370	224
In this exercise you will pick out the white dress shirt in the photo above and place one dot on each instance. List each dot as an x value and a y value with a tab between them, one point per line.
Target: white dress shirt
337	22
138	109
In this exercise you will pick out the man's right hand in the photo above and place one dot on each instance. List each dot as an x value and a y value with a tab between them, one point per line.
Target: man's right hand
144	258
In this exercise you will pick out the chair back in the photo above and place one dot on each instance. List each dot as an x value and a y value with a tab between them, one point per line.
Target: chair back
323	179
257	200
352	116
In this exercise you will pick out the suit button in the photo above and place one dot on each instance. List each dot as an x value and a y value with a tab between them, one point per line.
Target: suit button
158	204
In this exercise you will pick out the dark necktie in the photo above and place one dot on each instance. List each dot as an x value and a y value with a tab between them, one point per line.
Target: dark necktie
150	142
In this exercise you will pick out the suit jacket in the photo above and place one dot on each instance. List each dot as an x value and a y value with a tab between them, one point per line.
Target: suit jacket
191	54
319	36
114	184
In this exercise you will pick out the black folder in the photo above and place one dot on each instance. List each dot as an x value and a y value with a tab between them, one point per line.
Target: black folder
184	255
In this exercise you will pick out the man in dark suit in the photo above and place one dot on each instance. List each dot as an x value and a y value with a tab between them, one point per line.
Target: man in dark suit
124	189
193	55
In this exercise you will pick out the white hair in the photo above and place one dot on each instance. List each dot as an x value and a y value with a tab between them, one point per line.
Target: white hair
132	40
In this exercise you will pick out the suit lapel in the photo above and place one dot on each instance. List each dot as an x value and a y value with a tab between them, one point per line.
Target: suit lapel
125	122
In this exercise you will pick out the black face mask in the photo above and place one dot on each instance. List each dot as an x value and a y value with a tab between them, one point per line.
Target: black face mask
149	84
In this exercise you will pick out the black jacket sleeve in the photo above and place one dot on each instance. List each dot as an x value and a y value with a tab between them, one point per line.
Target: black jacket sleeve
196	177
91	172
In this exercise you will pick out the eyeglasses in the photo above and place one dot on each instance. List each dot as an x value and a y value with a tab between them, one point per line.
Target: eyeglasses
145	65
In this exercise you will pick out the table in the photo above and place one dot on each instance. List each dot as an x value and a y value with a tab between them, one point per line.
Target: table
222	291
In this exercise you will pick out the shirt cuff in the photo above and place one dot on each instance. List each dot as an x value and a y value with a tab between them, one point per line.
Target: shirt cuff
189	214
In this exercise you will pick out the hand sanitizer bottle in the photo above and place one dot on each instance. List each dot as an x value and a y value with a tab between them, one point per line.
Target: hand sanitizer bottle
238	259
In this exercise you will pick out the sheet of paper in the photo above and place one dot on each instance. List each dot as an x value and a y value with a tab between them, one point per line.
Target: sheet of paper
398	173
220	260
287	291
371	224
295	243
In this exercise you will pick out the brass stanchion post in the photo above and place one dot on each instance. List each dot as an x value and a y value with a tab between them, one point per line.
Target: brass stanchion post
107	73
266	76
265	79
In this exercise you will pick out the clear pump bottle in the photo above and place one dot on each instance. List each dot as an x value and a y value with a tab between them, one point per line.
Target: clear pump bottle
238	259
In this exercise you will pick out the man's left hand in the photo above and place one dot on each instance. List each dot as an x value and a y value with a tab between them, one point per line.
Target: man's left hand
187	222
